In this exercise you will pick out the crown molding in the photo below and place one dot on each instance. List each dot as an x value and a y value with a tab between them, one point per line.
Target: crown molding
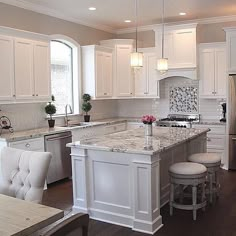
211	20
50	12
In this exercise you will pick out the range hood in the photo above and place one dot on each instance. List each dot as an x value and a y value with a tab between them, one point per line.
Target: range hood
188	73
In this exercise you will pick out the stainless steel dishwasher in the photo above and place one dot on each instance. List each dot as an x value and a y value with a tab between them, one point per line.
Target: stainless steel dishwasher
60	165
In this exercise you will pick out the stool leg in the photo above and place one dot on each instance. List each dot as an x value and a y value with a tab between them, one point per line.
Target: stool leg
203	195
217	183
172	195
211	187
181	193
194	197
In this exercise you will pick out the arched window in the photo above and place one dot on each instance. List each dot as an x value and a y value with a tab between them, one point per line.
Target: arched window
65	79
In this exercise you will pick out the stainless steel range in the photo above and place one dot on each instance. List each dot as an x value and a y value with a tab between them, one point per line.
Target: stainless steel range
179	120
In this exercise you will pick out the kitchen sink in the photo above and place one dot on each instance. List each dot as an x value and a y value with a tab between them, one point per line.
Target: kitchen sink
81	124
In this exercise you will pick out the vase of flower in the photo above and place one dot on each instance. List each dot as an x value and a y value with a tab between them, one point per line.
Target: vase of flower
148	120
148	129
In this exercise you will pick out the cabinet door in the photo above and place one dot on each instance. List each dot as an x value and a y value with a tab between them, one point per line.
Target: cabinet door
140	80
6	68
107	74
185	48
41	63
220	72
24	83
99	74
152	76
124	81
207	72
168	48
231	51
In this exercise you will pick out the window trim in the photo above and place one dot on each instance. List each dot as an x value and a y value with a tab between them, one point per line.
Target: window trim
76	60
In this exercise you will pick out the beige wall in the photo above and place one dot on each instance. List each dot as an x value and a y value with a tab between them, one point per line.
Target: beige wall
18	18
146	38
206	33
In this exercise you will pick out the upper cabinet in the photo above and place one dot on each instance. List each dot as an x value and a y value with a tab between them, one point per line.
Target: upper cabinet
179	45
25	67
122	71
6	68
146	78
231	49
32	75
212	60
97	71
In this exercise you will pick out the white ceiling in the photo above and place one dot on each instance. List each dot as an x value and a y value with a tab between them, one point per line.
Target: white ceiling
110	14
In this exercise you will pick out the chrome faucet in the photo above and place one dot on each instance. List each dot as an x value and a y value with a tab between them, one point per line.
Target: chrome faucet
66	117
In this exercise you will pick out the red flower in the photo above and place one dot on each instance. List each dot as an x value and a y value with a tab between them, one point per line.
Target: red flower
148	119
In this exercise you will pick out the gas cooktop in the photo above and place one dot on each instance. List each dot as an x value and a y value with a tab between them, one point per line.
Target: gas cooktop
179	120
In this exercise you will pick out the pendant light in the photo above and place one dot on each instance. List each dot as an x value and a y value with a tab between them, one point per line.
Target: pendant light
162	63
136	57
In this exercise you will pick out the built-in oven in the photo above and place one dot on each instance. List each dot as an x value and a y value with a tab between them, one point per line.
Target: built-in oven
60	165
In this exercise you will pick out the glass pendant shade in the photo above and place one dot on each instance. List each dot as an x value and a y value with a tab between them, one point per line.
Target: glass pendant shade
137	59
162	65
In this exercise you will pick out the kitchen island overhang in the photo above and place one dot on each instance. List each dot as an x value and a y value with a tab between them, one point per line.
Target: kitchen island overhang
123	179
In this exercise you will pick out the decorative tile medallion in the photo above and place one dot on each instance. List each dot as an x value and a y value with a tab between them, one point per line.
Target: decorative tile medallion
183	99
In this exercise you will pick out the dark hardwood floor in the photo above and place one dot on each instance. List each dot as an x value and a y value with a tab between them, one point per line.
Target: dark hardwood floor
218	219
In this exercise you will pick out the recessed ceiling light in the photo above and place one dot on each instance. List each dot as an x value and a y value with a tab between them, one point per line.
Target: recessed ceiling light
182	13
92	8
127	21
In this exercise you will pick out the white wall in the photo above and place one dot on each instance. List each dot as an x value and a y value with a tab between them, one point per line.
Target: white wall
208	108
32	116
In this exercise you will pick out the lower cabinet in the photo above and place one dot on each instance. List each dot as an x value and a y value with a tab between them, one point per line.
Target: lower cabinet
35	144
216	139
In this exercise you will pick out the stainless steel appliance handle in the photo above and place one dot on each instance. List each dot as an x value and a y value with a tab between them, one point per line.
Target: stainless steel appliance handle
234	139
58	138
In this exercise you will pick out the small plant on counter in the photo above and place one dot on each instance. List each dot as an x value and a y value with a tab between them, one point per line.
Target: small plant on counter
148	119
51	109
86	106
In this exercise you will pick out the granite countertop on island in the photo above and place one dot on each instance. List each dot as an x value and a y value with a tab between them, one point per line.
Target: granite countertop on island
134	141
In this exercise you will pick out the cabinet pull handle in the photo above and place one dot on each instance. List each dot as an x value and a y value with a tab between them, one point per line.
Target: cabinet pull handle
33	95
27	145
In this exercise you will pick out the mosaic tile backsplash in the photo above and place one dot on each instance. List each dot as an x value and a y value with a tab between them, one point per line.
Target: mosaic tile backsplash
183	99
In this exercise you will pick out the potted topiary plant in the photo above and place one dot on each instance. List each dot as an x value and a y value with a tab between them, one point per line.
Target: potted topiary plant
50	109
86	106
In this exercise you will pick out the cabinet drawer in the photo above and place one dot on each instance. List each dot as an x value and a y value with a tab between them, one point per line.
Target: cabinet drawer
216	142
36	144
115	128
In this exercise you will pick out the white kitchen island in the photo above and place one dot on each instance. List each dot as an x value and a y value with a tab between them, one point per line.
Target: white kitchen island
122	178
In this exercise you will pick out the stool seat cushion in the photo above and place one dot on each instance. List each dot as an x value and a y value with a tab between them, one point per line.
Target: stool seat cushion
187	168
205	158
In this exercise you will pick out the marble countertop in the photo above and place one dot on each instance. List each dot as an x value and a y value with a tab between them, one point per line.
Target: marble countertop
36	133
134	141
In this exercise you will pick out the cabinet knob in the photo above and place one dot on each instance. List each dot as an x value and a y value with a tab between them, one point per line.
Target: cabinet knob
27	145
105	93
33	95
36	94
13	95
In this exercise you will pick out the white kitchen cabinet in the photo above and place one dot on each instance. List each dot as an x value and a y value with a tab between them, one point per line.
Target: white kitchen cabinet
216	139
231	49
212	60
179	45
42	70
6	68
32	69
34	144
146	78
24	80
97	71
122	72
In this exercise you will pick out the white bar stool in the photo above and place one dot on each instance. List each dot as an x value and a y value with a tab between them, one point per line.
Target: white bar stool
188	174
212	162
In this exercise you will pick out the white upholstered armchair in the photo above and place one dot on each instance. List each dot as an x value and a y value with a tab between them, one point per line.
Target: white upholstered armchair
23	173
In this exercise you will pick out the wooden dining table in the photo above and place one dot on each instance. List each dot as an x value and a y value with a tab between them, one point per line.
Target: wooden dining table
19	217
